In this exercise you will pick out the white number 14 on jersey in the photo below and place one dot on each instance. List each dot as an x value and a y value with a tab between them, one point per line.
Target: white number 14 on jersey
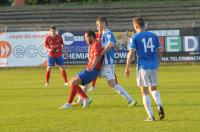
148	44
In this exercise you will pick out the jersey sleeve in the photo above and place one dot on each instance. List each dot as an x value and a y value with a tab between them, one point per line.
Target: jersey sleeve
132	44
158	45
46	44
61	40
110	37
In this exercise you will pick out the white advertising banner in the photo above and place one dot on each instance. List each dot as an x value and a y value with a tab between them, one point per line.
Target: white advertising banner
4	50
18	49
22	49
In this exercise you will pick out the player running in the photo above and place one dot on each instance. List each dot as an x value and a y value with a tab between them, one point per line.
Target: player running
86	76
54	45
148	50
108	43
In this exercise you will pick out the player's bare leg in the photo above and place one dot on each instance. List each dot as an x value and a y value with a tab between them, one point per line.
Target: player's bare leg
116	78
93	85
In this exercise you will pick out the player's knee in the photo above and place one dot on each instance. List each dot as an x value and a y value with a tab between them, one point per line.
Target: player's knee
73	81
152	88
112	83
62	69
49	68
144	91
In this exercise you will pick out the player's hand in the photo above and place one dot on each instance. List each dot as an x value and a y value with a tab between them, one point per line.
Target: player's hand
127	72
55	50
101	55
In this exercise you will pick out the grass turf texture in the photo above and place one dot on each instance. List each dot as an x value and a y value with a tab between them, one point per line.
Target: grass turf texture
25	105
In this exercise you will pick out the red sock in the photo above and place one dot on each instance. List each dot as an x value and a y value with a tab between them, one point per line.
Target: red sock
116	78
81	93
72	93
94	82
64	75
48	76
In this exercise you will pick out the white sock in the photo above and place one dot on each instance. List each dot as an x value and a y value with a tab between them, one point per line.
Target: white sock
85	88
147	105
80	100
122	92
156	96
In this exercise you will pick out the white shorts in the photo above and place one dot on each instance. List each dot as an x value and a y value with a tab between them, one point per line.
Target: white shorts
108	72
147	78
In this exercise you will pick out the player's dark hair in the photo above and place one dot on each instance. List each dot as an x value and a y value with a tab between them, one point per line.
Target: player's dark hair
139	20
91	33
53	27
102	19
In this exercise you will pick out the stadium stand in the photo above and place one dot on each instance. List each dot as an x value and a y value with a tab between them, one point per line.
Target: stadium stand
39	18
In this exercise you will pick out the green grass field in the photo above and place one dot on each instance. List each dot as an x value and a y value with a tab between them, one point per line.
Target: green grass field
26	106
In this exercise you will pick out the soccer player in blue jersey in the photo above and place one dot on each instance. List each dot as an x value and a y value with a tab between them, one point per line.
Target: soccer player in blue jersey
108	43
148	51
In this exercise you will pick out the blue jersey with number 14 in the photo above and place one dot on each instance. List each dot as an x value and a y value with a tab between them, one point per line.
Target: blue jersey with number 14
146	44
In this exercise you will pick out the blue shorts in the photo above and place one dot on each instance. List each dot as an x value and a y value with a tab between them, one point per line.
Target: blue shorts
86	76
58	60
